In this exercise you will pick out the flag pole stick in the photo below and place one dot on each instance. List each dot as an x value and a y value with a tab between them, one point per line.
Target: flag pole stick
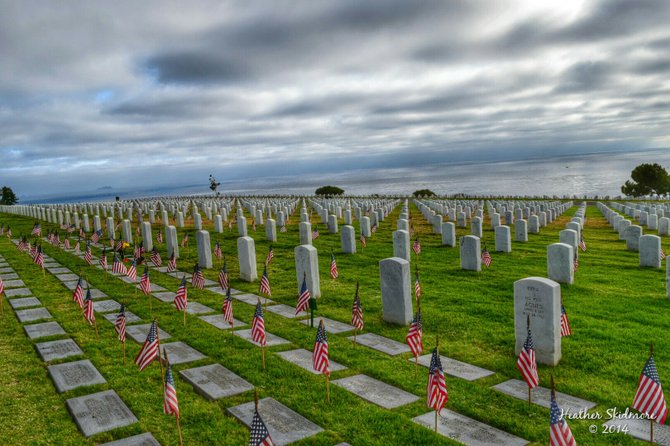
651	421
416	366
184	317
95	325
2	308
437	345
160	363
263	357
328	388
355	330
124	353
528	328
181	441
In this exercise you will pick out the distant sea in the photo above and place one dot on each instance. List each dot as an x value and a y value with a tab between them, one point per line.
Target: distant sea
591	175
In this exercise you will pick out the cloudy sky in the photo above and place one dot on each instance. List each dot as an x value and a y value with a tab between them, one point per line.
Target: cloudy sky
154	93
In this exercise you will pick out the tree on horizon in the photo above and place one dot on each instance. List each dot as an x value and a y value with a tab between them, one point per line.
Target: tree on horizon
8	196
647	179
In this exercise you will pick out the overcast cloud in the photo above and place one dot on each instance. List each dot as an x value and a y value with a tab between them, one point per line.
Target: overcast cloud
154	93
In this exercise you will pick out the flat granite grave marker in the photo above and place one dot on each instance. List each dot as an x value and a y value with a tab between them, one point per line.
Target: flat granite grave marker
9	276
145	439
375	391
284	425
332	326
33	314
100	412
198	308
64	348
214	381
640	429
285	311
467	431
251	299
380	343
17	283
154	287
303	359
130	317
16	292
139	333
542	396
67	277
59	270
270	339
25	302
180	353
45	329
454	367
106	306
219	290
220	323
165	296
70	375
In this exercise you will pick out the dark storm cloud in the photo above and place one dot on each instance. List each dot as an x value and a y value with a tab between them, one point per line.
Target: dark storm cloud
164	92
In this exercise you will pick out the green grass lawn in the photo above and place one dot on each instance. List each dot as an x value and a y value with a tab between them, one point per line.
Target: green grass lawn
615	309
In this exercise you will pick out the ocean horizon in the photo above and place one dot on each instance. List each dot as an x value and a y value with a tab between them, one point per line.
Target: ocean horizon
589	175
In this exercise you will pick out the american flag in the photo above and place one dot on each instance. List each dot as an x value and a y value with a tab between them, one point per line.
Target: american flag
37	230
415	334
270	256
70	229
132	271
582	243
526	362
303	297
145	282
661	254
259	433
315	233
119	245
33	251
217	250
66	243
39	257
333	267
149	350
258	325
120	324
559	431
89	315
118	267
320	361
416	246
159	237
111	243
362	239
77	247
137	230
78	295
9	232
230	224
417	286
357	311
96	236
198	280
82	234
486	257
156	257
56	239
172	264
649	396
137	252
88	255
184	241
565	324
265	283
103	259
437	395
373	229
21	246
223	277
227	308
575	263
180	299
282	228
170	403
253	225
2	286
